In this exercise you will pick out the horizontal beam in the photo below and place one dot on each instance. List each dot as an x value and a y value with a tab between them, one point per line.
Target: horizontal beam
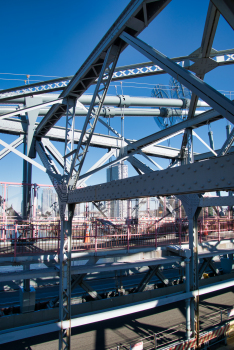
93	317
28	109
57	133
207	176
216	201
223	57
112	112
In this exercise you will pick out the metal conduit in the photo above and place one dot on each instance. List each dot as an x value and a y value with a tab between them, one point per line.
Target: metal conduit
124	100
117	112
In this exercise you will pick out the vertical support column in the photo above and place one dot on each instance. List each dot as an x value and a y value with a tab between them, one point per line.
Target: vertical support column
190	157
69	136
193	246
4	205
187	301
29	150
34	200
24	201
65	279
148	207
28	189
129	201
26	282
190	204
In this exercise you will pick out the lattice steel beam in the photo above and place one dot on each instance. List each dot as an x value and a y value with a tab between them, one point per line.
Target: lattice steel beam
102	86
200	67
224	57
133	19
216	100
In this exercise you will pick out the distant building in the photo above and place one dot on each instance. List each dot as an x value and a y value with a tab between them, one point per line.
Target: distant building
117	208
48	198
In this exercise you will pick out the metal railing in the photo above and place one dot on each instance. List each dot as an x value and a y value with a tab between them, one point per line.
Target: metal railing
44	237
175	334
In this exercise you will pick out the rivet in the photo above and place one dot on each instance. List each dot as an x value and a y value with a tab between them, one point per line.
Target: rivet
188	167
221	165
229	183
182	172
194	170
183	184
208	168
223	178
228	159
195	182
216	184
216	162
172	185
209	180
202	186
201	165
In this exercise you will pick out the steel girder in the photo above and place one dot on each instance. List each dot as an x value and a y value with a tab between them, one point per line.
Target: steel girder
227	144
226	8
200	67
215	99
134	19
207	262
52	170
14	144
140	145
28	159
102	86
207	176
223	57
17	127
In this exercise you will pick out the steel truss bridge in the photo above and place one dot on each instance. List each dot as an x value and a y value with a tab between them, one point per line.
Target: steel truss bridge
189	176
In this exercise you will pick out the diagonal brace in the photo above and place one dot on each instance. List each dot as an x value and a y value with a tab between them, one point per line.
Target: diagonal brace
146	279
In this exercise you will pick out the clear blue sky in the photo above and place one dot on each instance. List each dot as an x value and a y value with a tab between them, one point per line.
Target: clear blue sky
53	38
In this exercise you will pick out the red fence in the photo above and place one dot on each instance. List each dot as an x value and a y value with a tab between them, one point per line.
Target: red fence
44	237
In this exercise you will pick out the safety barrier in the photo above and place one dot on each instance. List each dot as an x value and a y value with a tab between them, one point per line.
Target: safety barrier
44	237
171	338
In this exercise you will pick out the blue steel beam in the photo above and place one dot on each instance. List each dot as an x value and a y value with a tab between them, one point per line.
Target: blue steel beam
208	94
134	19
222	58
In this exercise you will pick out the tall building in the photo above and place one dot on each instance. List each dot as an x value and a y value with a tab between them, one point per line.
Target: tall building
48	198
118	208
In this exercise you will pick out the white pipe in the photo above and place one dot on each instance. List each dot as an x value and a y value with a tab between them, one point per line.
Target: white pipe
128	112
119	101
